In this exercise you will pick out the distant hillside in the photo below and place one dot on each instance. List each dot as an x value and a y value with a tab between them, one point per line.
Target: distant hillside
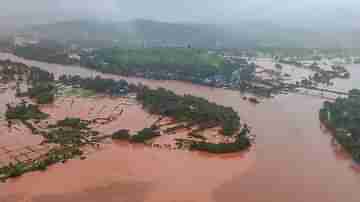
139	33
147	33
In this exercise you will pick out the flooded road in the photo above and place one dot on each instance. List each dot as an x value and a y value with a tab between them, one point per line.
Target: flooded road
294	159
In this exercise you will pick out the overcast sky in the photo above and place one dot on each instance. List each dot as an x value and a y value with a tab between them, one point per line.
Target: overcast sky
305	12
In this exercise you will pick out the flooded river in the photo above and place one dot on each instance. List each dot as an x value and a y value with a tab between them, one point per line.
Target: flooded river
294	159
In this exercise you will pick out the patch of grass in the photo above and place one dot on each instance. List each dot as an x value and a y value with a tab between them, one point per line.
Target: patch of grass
79	92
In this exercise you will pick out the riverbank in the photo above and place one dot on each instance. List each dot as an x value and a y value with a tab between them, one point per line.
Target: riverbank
341	118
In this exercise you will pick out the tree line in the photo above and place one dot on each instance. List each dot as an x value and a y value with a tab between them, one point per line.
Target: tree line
343	117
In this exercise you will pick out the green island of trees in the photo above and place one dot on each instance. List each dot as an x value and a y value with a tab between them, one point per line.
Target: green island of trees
194	65
163	102
188	108
140	137
99	85
343	118
24	112
144	135
43	93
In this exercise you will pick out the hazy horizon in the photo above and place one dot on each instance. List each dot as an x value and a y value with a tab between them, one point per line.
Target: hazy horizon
288	13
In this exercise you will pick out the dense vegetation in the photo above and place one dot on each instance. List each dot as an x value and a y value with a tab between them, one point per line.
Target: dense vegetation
144	135
24	112
40	83
73	123
69	134
13	71
343	117
47	53
98	84
52	157
188	108
164	102
121	135
38	75
241	143
43	93
185	64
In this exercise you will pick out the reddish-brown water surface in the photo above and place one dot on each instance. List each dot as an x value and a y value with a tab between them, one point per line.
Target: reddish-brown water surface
294	159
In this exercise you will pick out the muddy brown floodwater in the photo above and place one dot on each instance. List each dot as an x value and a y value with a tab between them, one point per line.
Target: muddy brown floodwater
294	159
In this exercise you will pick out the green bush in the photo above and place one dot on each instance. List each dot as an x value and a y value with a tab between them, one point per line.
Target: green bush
24	111
121	135
144	135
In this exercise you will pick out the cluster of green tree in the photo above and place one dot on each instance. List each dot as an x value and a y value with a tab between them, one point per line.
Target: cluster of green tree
188	108
70	132
12	70
52	157
43	93
42	89
45	51
72	123
98	84
241	143
64	136
140	137
24	112
195	65
121	135
38	75
144	135
343	117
